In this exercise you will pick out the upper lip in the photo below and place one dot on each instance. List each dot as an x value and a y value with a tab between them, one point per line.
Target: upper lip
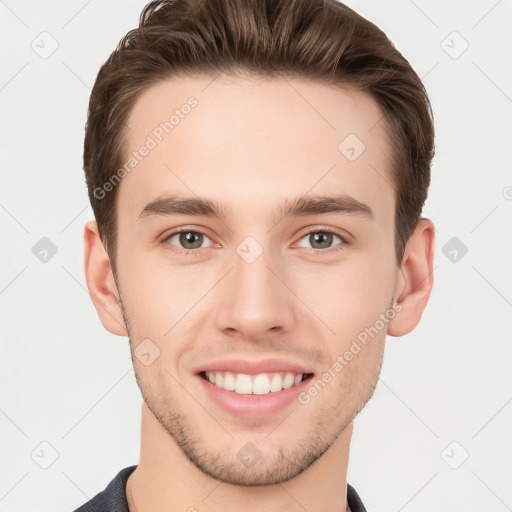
253	367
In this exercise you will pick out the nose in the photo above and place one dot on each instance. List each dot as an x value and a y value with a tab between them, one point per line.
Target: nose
256	299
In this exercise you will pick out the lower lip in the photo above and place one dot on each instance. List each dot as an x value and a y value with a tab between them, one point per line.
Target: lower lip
251	406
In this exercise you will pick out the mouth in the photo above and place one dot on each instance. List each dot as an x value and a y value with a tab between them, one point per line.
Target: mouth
258	384
252	388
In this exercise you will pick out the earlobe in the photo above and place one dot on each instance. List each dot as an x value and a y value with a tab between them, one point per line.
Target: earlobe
100	281
414	285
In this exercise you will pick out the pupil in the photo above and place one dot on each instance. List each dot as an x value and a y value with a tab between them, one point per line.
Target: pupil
188	238
322	239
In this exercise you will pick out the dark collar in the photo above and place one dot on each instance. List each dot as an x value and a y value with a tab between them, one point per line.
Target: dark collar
113	497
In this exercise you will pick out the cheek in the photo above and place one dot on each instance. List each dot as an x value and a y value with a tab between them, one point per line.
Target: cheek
348	296
153	291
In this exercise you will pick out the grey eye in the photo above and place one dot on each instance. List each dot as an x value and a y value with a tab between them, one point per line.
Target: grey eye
187	239
320	239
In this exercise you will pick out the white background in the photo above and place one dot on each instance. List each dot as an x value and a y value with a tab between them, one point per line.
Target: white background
68	382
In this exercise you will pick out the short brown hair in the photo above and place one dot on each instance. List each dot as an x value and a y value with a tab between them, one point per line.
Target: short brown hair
320	40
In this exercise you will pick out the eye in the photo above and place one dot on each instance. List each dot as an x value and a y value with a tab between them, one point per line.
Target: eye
187	240
322	239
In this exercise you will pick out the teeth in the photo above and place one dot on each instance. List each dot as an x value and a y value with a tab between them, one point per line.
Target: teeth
260	384
243	384
276	384
219	379
288	381
229	381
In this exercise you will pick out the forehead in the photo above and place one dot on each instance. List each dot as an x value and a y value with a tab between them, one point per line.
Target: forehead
255	142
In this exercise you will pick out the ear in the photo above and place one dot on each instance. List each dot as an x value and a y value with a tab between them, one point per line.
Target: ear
100	281
415	279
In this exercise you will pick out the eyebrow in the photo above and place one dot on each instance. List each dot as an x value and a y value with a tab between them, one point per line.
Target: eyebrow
298	207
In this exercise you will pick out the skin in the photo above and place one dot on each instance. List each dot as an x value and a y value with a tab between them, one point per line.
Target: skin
253	144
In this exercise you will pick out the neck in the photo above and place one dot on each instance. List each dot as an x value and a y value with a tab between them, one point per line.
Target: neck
166	479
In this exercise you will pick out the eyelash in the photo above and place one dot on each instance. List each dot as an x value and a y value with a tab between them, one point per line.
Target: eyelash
193	252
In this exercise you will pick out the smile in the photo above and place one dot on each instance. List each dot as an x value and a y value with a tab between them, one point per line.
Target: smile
260	384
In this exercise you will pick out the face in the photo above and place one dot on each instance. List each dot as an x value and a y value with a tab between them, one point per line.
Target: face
250	287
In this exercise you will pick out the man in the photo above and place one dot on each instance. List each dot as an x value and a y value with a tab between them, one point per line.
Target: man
257	171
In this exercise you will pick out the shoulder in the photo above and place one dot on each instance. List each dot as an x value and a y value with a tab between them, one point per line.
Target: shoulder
354	501
112	498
